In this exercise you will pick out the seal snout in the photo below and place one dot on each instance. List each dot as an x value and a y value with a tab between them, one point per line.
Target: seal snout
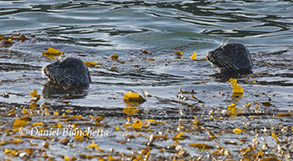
231	57
212	56
68	71
45	71
209	55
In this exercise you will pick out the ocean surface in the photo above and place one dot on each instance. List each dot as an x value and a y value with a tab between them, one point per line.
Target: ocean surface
145	34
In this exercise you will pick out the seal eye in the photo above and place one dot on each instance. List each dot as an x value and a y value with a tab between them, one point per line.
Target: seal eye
218	53
69	71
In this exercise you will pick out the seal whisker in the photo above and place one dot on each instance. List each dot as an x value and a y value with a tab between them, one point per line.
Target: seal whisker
68	71
226	61
53	74
59	76
231	57
230	63
64	76
221	60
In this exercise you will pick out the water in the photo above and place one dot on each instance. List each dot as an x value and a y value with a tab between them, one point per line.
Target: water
94	30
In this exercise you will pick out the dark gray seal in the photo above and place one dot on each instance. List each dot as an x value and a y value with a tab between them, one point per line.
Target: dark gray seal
68	71
232	58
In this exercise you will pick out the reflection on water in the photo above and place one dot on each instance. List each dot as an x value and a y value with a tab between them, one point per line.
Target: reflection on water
114	23
94	30
51	90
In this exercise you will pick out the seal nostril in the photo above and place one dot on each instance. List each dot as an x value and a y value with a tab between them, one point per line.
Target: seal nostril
231	57
68	71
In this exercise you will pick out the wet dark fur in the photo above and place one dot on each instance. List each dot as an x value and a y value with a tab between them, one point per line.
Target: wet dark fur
231	58
68	71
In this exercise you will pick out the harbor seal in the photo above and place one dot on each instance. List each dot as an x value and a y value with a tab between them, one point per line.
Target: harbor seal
231	58
68	71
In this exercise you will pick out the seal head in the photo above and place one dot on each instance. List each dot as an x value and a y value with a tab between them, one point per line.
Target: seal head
68	71
231	58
